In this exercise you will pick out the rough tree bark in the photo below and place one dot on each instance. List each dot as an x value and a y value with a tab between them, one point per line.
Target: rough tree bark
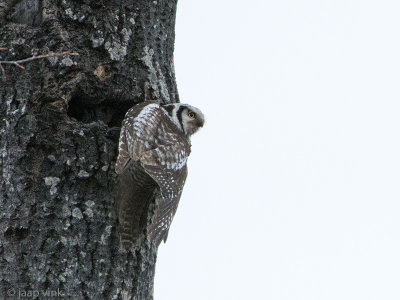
58	141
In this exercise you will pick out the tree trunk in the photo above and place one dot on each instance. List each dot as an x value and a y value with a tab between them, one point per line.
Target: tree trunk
58	141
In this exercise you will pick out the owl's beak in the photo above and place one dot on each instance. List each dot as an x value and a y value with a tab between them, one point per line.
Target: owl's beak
200	123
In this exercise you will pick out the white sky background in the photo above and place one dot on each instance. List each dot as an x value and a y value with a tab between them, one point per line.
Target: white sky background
294	183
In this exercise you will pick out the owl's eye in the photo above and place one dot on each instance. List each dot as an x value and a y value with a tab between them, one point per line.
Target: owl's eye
191	115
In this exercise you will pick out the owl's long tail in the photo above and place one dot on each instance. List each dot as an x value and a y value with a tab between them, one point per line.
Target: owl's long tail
136	190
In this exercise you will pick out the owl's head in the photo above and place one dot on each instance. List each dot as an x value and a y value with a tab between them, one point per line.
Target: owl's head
190	117
187	117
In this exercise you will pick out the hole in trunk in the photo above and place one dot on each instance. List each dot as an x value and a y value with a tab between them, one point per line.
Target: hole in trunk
110	112
17	234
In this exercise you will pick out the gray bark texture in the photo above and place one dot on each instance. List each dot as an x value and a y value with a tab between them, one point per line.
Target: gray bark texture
60	119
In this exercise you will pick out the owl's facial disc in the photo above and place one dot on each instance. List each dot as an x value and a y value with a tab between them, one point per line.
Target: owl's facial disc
192	119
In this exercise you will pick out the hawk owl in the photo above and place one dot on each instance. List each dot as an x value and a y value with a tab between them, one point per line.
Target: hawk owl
154	146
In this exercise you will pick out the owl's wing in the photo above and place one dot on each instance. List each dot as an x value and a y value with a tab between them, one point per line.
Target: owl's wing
168	208
137	133
167	166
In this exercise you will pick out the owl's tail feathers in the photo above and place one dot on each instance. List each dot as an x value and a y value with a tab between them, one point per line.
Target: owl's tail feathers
136	190
129	227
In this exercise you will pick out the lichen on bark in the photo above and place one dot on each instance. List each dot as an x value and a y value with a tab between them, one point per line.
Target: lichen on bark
58	141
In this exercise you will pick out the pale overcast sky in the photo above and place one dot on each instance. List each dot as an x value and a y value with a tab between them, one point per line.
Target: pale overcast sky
294	182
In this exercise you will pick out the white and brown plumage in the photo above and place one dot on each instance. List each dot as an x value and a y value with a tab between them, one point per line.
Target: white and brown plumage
154	146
